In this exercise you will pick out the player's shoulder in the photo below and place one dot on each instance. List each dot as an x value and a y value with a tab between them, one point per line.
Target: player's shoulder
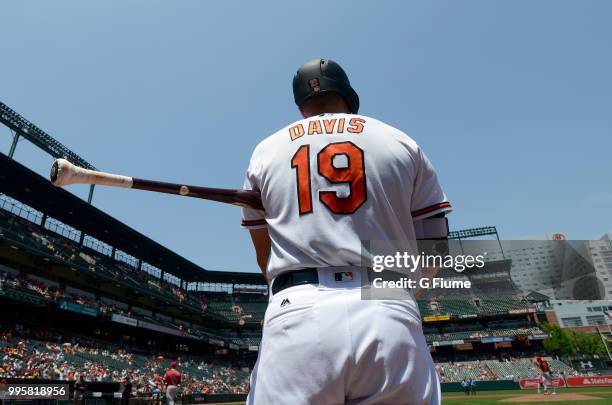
277	137
265	149
393	136
387	132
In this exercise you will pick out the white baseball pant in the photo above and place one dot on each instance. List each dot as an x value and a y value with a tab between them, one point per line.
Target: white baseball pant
322	344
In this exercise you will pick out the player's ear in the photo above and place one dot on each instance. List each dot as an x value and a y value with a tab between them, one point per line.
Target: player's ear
302	112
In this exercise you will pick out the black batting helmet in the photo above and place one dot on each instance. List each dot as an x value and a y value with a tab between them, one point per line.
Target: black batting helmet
321	76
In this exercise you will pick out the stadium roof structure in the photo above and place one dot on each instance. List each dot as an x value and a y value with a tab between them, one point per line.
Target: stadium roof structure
38	137
535	296
473	232
30	188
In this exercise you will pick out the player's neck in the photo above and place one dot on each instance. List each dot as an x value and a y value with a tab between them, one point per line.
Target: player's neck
327	111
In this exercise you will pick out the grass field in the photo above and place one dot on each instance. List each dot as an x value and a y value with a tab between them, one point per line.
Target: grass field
565	396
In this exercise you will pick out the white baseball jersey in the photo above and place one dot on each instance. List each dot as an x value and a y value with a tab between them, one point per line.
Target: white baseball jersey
329	181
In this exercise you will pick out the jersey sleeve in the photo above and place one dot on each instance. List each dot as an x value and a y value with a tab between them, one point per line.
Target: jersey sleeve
428	198
252	219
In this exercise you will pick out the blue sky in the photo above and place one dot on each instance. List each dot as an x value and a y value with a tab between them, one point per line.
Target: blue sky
512	101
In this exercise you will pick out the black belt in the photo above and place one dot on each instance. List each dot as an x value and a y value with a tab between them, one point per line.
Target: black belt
293	278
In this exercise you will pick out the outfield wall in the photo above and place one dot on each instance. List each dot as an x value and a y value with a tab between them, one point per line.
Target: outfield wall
532	383
571	382
482	386
213	398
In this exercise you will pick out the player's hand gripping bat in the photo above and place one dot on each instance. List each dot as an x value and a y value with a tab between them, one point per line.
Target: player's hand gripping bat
63	173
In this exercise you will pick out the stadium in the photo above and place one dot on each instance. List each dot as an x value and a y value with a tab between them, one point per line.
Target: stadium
89	302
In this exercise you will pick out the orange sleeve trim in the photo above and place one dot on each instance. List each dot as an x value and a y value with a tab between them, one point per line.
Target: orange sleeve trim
254	222
430	209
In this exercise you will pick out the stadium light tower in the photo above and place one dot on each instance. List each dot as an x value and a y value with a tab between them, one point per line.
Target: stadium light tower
474	233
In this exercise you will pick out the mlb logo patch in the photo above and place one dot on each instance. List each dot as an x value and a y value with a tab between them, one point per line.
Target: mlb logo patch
314	84
343	276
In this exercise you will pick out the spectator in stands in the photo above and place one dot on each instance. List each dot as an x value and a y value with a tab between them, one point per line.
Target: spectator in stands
127	391
172	379
156	390
79	389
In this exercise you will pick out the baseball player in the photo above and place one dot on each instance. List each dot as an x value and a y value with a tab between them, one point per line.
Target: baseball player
328	182
546	378
172	379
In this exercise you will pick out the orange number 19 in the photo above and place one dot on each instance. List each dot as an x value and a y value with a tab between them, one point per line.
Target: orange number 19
353	175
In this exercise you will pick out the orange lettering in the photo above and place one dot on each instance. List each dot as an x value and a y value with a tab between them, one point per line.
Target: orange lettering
296	132
314	126
341	125
329	125
356	125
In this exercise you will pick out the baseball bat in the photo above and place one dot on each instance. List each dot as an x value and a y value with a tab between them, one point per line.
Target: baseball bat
64	173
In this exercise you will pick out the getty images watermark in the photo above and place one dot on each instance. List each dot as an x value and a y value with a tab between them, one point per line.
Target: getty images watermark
534	270
405	262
